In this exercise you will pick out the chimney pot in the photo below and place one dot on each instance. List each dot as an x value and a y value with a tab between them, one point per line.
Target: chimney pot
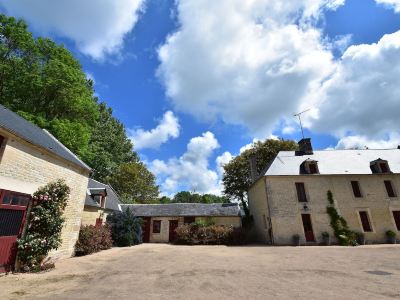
305	147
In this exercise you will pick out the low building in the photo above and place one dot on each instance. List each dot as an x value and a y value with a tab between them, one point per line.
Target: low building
29	158
101	200
290	197
161	220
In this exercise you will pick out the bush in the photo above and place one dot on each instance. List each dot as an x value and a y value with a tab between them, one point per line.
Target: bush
390	234
193	234
93	239
45	222
126	229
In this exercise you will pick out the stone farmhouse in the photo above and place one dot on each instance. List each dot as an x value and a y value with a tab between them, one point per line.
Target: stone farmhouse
290	196
161	220
29	158
101	200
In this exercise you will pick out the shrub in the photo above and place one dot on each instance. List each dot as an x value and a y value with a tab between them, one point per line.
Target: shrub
126	229
93	239
193	234
45	222
390	234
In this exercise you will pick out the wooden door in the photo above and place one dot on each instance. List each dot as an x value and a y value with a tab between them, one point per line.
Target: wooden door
146	229
308	230
12	216
173	224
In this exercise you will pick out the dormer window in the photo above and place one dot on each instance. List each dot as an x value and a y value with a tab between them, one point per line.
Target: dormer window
99	195
379	166
309	167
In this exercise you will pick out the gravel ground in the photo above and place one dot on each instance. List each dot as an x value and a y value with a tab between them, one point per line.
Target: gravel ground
154	271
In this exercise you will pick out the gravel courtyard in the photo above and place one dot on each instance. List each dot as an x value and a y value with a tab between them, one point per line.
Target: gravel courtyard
153	271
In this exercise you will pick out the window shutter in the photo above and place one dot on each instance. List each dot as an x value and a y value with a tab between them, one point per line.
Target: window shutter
365	221
389	188
356	189
301	192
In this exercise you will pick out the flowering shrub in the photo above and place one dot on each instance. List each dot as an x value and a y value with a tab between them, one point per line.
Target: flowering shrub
93	239
45	222
126	229
193	234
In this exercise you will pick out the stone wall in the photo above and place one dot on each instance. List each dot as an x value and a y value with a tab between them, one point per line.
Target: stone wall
286	210
25	167
90	214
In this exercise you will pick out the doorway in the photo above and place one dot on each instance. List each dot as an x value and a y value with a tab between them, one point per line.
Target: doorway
173	224
308	230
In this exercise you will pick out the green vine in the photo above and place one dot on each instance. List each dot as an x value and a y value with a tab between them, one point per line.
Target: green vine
339	225
45	223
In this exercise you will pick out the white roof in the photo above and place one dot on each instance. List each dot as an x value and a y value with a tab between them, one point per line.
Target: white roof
334	162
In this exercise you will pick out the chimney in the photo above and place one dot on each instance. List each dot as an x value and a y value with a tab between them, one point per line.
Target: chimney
305	147
253	168
398	147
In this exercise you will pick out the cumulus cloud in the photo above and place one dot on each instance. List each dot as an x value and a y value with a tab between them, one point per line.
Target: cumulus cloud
248	62
97	27
167	128
190	171
394	4
362	97
362	142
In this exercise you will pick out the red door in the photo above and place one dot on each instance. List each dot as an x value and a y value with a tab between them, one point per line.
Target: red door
12	216
308	230
146	229
173	224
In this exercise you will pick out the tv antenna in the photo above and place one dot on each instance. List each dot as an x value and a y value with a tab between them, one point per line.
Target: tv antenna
299	116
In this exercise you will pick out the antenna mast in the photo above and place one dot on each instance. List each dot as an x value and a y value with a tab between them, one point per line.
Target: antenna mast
299	116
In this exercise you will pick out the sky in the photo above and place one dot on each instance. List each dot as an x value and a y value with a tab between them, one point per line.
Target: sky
197	81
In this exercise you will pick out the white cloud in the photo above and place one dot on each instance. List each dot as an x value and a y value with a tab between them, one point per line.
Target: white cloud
222	160
362	142
394	4
97	27
248	62
191	170
362	97
167	128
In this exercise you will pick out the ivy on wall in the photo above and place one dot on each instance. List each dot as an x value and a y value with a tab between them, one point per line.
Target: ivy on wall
45	222
339	225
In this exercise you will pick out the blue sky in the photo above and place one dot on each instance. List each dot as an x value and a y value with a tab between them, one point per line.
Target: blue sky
195	81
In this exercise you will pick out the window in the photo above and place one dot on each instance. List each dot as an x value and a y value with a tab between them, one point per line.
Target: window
396	216
389	189
11	198
189	220
156	226
301	192
102	201
365	222
313	168
1	140
356	189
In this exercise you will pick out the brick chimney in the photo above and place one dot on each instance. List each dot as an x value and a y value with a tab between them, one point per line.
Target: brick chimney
305	147
253	168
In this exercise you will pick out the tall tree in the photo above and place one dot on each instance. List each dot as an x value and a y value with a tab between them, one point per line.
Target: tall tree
188	197
134	183
237	176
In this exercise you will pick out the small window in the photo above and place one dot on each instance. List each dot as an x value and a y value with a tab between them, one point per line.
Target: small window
156	226
396	216
365	222
356	189
301	192
389	188
189	220
313	168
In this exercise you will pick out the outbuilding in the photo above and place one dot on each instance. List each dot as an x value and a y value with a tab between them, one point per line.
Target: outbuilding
161	220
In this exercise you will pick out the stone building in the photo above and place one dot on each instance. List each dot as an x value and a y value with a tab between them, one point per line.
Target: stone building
290	196
101	200
29	158
161	220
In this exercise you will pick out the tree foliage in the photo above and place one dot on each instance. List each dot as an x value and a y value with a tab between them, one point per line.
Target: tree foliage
188	197
126	229
45	223
237	176
134	183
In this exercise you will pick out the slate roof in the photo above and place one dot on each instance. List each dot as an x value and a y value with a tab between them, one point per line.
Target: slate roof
334	162
31	133
184	209
112	200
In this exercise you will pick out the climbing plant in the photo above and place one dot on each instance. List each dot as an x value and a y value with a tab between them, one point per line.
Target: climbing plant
339	225
45	222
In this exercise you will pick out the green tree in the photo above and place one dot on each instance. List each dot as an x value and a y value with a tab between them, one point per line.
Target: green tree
188	197
237	177
134	183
